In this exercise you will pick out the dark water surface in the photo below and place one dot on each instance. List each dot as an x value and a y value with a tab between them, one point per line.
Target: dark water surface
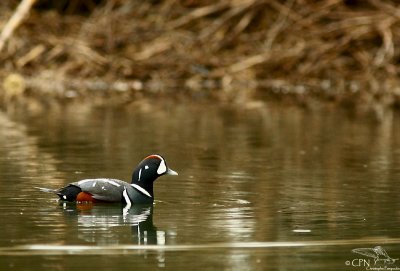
269	189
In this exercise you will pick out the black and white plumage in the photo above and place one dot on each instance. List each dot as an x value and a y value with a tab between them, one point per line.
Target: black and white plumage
112	190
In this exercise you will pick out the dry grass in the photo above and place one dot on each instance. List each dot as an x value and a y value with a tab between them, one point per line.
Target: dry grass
340	50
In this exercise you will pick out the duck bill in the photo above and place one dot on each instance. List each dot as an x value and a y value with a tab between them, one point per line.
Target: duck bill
171	172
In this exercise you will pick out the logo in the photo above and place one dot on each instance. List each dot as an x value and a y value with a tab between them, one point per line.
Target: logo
377	253
375	258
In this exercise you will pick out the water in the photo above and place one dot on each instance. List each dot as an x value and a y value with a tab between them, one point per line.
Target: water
267	189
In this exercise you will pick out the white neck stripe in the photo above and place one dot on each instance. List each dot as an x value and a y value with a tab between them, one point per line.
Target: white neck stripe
141	189
126	197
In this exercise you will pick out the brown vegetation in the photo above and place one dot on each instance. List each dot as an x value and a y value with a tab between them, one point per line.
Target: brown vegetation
335	50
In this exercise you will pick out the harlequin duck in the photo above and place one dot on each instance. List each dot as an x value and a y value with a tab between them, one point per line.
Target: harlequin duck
140	191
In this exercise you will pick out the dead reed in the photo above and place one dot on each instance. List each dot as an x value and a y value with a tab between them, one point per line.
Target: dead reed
336	50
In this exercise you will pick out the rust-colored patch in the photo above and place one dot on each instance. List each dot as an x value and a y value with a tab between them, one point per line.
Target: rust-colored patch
85	197
152	156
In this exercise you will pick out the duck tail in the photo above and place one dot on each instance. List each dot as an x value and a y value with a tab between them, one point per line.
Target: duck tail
47	190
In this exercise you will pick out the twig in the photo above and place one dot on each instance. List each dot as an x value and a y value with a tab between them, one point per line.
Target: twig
16	19
278	26
31	55
264	57
156	46
386	52
221	22
198	13
386	7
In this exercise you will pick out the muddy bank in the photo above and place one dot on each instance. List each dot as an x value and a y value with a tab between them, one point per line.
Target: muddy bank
238	52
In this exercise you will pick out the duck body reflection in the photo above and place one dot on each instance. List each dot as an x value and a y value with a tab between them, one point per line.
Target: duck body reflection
108	223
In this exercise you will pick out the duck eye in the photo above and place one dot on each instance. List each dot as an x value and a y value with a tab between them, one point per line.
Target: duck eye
146	167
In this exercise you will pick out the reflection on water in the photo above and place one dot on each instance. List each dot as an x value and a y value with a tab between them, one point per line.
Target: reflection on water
95	223
20	153
266	189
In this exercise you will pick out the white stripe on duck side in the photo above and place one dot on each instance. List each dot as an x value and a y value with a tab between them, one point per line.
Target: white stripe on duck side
141	189
126	197
110	181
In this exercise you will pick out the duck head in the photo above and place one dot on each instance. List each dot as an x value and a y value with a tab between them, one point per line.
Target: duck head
149	169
